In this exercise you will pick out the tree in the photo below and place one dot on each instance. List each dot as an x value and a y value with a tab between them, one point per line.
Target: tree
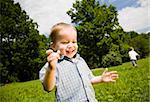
98	31
44	43
20	38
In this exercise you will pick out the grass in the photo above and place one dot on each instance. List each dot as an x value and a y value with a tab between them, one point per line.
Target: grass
132	86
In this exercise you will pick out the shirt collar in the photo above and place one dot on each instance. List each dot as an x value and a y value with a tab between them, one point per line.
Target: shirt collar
77	57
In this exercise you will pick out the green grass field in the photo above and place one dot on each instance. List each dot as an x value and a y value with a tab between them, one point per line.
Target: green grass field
132	86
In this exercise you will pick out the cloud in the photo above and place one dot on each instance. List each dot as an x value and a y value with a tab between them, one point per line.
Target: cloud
135	18
47	12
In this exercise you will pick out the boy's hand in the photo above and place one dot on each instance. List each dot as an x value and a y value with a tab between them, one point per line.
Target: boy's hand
109	76
52	58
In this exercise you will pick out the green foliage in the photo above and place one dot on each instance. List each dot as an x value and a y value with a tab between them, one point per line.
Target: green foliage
133	34
111	59
132	86
43	46
20	40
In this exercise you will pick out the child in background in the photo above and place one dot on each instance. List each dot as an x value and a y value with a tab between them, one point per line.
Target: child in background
67	70
133	55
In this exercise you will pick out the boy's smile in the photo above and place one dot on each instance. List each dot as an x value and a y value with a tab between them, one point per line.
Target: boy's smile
66	42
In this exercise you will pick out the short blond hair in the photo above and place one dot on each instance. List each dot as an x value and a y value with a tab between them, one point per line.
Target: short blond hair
56	29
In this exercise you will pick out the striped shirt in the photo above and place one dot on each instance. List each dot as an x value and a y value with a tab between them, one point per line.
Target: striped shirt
72	80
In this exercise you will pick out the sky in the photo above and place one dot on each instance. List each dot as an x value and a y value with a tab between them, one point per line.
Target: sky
133	15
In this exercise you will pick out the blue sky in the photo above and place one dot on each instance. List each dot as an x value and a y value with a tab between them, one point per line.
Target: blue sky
133	15
120	4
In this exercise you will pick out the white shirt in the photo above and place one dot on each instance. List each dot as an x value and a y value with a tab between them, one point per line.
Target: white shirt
132	55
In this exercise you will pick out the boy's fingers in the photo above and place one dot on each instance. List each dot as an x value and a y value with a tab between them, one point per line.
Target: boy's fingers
113	72
113	81
106	69
51	58
48	52
58	52
115	76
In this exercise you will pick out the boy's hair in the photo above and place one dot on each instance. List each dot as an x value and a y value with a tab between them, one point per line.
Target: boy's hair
56	28
131	48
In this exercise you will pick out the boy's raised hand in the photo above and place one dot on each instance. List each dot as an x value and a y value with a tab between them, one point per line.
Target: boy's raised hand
109	76
52	58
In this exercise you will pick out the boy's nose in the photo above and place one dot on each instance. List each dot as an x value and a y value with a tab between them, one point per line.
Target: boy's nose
70	45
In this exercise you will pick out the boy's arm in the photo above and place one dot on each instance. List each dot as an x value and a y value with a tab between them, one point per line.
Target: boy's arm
49	79
105	77
137	54
96	79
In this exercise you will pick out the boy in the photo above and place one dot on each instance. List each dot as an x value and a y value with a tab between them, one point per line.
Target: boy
133	55
66	70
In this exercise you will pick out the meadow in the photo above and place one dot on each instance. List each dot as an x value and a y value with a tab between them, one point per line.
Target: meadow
132	86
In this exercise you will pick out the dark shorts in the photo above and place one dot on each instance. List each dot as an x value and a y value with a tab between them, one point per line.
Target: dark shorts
133	62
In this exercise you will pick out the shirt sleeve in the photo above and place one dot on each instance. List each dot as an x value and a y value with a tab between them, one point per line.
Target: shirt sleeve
88	71
136	53
43	72
91	76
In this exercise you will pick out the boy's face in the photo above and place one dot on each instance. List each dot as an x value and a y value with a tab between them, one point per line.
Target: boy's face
66	42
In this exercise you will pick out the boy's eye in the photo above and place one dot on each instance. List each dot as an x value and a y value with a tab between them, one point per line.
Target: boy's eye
65	42
74	42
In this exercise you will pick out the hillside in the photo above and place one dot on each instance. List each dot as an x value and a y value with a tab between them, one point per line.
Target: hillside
132	86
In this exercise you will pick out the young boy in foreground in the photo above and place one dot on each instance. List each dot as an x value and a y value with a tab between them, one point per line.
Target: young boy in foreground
67	70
